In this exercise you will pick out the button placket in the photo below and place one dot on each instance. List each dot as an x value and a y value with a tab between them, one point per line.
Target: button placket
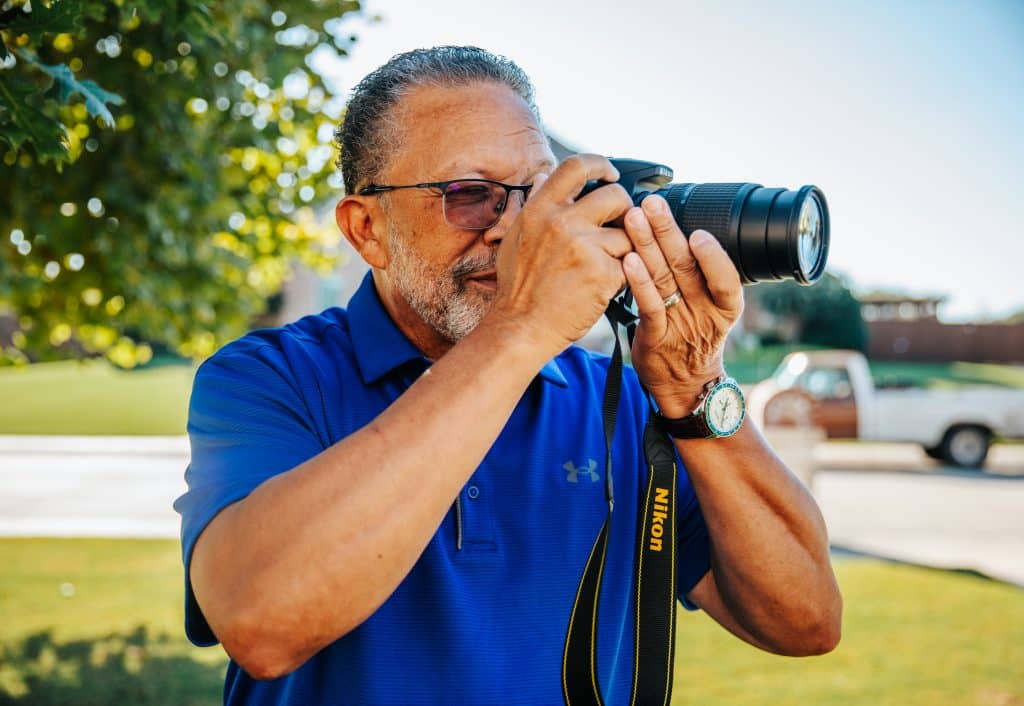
477	519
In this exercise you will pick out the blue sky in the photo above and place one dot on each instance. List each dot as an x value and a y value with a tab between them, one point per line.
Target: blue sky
910	116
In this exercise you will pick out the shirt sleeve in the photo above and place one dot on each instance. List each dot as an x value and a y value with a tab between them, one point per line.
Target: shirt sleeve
247	422
694	559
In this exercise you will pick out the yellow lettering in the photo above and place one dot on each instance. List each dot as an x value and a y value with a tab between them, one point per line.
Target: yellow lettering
658	517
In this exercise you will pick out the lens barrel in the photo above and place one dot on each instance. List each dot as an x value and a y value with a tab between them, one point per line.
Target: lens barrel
769	234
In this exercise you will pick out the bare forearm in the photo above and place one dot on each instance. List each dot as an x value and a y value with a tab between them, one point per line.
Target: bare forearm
312	553
769	544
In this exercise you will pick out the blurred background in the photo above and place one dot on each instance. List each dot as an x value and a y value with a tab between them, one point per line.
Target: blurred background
167	183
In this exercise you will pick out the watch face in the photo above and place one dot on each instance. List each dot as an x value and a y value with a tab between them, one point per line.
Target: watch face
725	408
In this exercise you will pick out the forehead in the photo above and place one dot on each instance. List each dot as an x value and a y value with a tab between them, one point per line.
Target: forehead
480	128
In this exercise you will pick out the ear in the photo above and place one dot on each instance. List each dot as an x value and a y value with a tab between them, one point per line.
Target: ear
363	226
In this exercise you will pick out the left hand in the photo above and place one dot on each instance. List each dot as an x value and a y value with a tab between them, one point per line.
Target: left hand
678	350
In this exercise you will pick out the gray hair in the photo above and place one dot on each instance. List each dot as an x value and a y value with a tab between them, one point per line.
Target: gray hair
368	135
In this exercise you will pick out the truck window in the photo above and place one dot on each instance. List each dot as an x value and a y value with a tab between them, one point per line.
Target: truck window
827	383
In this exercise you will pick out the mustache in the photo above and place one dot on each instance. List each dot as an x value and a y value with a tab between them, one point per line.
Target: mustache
474	263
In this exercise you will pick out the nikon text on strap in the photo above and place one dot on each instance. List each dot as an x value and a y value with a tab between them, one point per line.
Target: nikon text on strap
655	610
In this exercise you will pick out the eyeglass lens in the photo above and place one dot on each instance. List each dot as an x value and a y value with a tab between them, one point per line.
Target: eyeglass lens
475	204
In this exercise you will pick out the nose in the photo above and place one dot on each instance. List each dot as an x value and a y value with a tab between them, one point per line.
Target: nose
513	205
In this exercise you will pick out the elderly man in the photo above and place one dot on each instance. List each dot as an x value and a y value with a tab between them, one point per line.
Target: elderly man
393	503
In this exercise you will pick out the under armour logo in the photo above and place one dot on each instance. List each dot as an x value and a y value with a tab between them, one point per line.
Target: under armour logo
590	470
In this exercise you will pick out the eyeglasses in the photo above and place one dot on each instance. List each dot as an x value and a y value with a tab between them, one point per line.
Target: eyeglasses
473	204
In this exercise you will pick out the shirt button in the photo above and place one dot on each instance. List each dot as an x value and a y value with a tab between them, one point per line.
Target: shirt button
473	492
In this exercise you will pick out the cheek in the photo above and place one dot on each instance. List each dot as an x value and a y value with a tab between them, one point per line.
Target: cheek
426	249
437	246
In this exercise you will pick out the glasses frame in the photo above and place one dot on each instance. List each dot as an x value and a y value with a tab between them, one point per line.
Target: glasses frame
374	189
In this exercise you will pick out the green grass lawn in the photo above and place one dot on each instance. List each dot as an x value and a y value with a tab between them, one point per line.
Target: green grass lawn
99	622
949	374
93	397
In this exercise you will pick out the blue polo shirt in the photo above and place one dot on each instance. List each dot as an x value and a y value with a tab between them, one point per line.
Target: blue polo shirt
481	618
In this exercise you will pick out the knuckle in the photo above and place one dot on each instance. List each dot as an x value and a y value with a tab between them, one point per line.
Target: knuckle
665	281
664	224
682	263
574	165
643	237
620	194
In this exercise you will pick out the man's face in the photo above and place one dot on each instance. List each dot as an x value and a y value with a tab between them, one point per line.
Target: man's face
446	274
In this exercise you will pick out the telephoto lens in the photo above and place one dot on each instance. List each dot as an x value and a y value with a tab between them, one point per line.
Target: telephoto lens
769	234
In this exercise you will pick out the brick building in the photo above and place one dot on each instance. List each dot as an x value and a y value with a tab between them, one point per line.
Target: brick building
908	328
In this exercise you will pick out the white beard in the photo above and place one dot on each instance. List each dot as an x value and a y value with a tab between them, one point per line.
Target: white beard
440	296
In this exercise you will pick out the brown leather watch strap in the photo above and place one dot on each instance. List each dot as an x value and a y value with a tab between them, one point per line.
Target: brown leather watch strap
693	426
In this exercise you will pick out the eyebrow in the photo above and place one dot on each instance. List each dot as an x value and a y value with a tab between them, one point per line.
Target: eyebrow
536	167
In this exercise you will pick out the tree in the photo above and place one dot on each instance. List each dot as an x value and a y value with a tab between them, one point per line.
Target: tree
827	313
175	225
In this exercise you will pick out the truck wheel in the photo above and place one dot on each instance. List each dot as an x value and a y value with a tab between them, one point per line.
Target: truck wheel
965	447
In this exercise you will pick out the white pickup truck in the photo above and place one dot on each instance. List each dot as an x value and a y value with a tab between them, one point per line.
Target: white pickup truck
834	390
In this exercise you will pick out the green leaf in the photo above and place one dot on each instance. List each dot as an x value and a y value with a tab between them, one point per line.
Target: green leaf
66	85
178	275
24	123
60	16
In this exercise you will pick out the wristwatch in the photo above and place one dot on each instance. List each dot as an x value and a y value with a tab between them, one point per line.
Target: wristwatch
721	408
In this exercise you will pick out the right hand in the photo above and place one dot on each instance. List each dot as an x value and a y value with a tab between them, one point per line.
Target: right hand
559	264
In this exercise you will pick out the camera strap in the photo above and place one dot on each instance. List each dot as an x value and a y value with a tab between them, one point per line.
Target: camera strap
655	608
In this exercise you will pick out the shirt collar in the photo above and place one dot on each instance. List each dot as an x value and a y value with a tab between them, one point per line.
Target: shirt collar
381	347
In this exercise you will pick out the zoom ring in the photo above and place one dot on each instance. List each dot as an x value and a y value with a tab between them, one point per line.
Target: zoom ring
710	207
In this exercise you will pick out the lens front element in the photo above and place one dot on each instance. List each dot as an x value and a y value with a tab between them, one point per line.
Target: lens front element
809	240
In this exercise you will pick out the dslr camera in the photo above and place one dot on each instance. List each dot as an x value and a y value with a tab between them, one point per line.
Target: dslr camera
769	234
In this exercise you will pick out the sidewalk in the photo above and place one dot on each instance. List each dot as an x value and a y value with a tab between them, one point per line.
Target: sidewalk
176	446
91	486
889	504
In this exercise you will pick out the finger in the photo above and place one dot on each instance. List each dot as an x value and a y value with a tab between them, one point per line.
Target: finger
613	241
604	205
648	300
568	179
684	267
536	185
639	230
723	281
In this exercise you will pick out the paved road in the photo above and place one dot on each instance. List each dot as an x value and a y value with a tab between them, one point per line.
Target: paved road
891	500
887	500
947	520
